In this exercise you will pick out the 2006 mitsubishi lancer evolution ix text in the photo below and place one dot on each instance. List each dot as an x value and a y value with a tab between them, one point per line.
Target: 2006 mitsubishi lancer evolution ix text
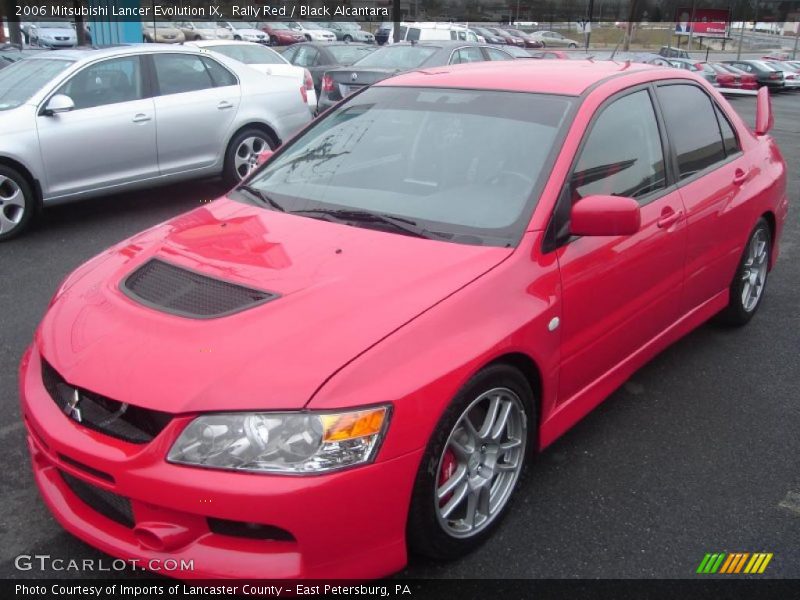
352	355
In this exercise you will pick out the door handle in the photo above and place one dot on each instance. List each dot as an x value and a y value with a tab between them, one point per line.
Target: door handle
740	176
141	118
224	104
669	217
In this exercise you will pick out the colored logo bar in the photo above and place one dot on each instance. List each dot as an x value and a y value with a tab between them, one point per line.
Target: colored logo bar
735	562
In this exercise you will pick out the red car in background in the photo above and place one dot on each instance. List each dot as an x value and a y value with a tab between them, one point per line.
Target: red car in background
280	34
511	39
353	355
729	76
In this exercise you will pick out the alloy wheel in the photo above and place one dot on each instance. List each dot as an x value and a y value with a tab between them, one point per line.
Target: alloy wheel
754	270
12	204
246	157
481	463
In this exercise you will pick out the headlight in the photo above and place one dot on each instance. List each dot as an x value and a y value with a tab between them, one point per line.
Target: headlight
290	443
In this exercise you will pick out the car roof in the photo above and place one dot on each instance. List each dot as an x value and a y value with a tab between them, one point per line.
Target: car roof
121	50
570	78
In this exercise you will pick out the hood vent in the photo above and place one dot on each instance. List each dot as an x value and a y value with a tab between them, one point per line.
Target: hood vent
178	291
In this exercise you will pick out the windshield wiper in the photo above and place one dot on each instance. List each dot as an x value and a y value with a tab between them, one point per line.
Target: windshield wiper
399	224
262	196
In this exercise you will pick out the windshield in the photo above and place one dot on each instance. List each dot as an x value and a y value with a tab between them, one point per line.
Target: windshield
347	55
398	57
294	26
250	55
463	164
53	25
348	25
21	80
278	26
239	25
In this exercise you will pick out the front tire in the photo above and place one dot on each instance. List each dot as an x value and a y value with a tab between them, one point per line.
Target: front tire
750	281
573	46
241	157
17	203
472	464
347	38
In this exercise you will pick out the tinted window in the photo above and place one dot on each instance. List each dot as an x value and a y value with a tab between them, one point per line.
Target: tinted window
289	53
306	56
178	73
21	80
692	126
107	82
250	54
729	140
462	162
413	34
497	54
623	155
467	55
219	74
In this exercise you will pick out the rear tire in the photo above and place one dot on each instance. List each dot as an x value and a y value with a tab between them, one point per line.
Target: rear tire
573	45
242	153
17	203
347	38
750	281
467	477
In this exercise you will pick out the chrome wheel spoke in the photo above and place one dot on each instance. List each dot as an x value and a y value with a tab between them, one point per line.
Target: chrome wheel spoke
246	157
12	204
448	486
458	497
491	417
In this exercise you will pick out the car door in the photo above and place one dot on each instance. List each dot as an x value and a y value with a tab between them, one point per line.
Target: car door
195	107
108	139
618	292
715	181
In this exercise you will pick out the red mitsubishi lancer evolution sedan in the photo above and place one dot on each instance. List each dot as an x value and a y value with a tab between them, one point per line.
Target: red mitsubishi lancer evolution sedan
352	355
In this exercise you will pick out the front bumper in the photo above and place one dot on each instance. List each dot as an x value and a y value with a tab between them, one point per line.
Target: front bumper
340	525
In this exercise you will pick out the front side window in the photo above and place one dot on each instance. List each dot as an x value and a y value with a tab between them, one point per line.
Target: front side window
22	79
414	34
622	155
467	55
692	125
494	54
107	82
179	73
461	163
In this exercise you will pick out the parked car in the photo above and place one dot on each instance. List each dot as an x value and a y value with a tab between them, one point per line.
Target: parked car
52	34
311	32
347	31
244	31
370	339
670	52
528	41
509	39
264	60
198	30
320	57
390	60
748	81
701	68
766	74
553	39
213	116
489	36
280	34
163	32
791	73
433	32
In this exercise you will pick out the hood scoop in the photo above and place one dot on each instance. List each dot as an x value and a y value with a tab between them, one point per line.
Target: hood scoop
178	291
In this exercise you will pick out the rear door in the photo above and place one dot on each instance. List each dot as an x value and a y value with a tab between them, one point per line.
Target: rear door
715	180
195	107
619	292
109	139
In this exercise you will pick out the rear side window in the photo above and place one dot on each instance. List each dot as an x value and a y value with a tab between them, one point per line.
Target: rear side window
413	34
729	140
219	74
623	155
467	55
692	125
497	54
179	73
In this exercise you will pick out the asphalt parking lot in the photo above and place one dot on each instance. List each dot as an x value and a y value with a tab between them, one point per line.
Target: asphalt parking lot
698	452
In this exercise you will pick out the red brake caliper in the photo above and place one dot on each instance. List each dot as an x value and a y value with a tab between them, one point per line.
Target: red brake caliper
449	464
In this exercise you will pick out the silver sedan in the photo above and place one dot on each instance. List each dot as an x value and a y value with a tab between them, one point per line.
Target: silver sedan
81	123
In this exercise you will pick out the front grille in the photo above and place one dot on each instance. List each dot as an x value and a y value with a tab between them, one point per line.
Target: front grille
110	505
178	291
117	419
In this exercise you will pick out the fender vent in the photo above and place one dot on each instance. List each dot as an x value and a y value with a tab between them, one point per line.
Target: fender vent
178	291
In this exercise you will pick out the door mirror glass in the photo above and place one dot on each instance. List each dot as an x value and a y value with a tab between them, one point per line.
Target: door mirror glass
764	118
605	215
58	104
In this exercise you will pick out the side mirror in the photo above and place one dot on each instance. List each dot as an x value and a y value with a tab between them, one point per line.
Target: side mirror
764	118
58	104
605	215
264	156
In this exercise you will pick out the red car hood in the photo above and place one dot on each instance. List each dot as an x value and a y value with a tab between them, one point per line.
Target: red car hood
342	289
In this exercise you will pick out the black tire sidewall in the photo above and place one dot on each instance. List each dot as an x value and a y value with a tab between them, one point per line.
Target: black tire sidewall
30	201
229	174
425	535
734	313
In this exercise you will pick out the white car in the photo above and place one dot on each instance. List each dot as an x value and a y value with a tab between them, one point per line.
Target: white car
311	32
244	31
264	60
199	30
52	34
